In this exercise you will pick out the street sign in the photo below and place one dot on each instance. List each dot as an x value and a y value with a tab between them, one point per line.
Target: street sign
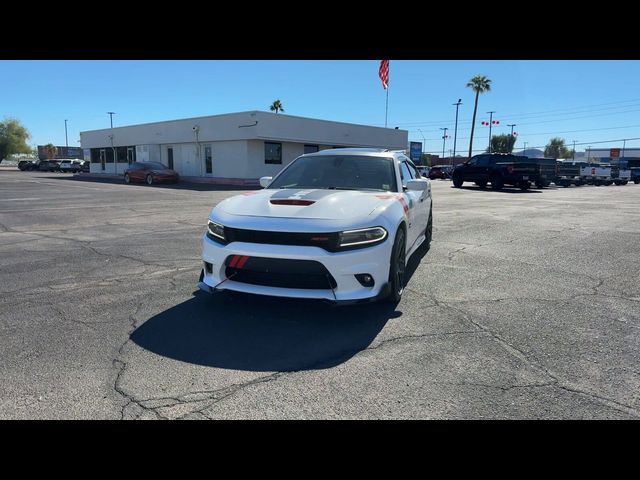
415	151
614	153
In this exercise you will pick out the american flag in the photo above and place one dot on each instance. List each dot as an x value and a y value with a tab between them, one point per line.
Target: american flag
384	73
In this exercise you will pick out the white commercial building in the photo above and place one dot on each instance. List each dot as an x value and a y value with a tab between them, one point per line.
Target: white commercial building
230	148
610	155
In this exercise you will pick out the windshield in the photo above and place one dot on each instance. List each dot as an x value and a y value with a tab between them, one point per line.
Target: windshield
340	172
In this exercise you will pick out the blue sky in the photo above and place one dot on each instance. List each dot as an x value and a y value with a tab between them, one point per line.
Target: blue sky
586	101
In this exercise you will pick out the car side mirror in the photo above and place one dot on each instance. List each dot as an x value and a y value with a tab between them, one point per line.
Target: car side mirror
419	184
265	181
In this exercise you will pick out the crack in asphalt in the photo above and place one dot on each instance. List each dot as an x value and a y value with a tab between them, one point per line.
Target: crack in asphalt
213	397
121	367
537	365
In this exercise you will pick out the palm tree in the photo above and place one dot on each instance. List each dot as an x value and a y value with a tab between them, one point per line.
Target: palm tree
478	84
51	150
276	107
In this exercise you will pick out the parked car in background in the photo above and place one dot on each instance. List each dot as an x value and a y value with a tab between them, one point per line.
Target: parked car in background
48	166
547	170
70	166
499	169
25	165
568	173
437	171
150	172
85	166
423	170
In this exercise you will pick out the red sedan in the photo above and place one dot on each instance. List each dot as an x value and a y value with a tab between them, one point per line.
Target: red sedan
150	172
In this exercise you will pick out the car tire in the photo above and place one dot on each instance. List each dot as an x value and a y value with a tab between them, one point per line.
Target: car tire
127	178
428	233
637	181
397	267
496	182
149	179
457	181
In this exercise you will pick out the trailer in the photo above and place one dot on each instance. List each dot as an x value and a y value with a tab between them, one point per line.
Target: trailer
596	174
547	171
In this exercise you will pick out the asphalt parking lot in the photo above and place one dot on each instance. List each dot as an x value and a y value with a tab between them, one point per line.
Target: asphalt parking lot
526	307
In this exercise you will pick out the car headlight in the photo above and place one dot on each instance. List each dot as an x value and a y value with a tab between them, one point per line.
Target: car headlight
362	237
215	231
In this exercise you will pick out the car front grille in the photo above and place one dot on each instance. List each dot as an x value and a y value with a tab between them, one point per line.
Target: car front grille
278	272
327	241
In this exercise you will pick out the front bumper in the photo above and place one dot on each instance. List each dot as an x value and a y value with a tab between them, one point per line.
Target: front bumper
342	267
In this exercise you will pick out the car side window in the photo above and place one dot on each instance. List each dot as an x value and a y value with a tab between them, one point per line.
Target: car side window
473	162
483	161
414	170
405	173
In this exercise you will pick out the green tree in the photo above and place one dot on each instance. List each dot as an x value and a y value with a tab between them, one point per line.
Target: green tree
13	138
502	143
557	149
51	150
276	106
479	84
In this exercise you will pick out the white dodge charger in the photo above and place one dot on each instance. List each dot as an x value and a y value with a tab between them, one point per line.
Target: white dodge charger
337	225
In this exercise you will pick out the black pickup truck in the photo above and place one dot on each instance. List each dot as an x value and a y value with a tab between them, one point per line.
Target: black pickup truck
569	173
499	169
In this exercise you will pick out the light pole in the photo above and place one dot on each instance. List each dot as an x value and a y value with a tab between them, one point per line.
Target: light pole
574	151
455	131
624	144
444	140
66	139
589	154
524	150
424	141
111	114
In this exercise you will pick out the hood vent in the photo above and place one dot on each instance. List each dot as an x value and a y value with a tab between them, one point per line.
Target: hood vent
291	201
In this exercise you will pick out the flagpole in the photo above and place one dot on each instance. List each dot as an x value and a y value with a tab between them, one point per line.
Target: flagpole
386	108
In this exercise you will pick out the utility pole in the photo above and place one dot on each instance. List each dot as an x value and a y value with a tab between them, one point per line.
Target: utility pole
111	114
455	132
444	140
524	150
66	139
574	151
490	124
113	150
624	144
424	141
511	125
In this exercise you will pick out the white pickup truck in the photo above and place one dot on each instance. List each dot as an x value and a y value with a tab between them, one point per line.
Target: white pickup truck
596	174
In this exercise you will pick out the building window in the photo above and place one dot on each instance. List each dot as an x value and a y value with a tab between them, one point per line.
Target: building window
311	148
121	154
207	159
109	154
272	152
95	155
131	155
